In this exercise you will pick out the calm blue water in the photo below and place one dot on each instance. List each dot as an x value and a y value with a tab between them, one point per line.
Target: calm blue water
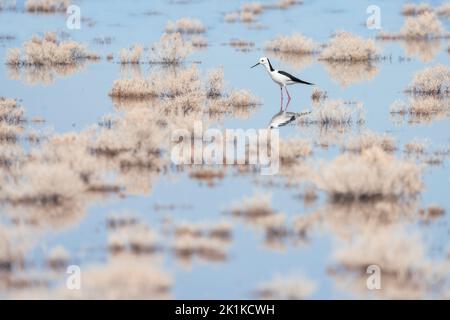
74	102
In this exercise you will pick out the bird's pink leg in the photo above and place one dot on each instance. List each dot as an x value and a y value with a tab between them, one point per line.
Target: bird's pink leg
289	97
281	105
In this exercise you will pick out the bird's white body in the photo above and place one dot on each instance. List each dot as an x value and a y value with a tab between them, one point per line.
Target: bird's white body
281	78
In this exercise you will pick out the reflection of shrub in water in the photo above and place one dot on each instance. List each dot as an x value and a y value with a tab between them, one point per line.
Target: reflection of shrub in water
349	73
34	75
132	55
121	279
333	113
406	271
367	140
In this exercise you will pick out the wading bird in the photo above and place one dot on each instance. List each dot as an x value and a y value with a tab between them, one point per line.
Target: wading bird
282	78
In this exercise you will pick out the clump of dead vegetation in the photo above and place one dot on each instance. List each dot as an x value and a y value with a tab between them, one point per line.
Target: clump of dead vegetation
185	25
49	51
318	95
11	120
241	45
412	9
132	55
433	81
247	14
47	6
424	26
207	241
170	49
346	47
295	44
291	287
372	174
210	176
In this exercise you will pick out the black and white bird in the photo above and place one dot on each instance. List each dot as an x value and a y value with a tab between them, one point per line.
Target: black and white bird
282	78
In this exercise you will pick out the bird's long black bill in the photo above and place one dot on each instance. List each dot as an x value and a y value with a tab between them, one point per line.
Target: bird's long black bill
255	65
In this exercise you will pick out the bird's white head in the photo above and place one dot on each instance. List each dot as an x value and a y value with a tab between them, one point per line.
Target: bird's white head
264	61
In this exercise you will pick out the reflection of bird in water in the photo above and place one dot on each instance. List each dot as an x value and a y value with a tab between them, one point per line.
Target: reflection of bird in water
283	118
282	78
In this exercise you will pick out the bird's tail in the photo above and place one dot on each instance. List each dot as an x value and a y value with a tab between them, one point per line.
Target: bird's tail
305	82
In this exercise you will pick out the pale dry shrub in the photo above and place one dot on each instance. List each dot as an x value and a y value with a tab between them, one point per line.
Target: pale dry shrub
444	10
424	26
318	95
247	17
215	83
49	51
431	81
132	88
207	175
242	98
231	17
297	43
188	246
10	112
287	287
367	140
412	9
135	238
121	279
416	146
290	150
253	207
253	7
432	212
47	6
185	25
286	4
241	45
132	55
44	184
346	47
373	174
171	49
199	41
58	257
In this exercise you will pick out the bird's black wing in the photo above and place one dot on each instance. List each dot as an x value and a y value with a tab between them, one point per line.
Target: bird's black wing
290	76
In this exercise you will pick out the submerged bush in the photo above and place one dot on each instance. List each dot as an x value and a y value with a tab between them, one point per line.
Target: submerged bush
431	81
296	44
49	51
373	174
171	49
185	25
48	6
345	47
